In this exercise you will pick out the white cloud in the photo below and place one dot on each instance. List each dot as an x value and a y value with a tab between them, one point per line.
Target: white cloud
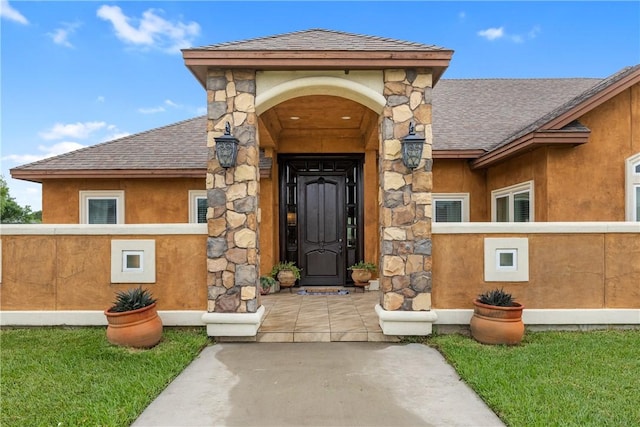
160	108
533	33
100	99
499	32
151	110
152	30
61	35
45	151
72	130
8	12
462	15
492	33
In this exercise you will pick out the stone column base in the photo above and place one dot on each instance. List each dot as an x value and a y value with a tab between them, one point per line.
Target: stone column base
405	322
233	324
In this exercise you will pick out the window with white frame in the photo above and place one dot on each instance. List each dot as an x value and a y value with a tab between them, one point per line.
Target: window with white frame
198	206
102	207
451	207
632	202
513	204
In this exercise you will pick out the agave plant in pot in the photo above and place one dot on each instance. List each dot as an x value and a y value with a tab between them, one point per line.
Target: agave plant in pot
133	320
497	318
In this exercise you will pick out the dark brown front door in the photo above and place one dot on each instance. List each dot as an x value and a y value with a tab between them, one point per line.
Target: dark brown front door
321	214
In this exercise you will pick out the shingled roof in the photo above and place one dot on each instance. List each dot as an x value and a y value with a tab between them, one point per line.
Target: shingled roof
484	114
179	149
478	113
321	40
317	49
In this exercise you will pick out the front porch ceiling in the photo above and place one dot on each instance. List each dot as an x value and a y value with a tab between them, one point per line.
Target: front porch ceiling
319	115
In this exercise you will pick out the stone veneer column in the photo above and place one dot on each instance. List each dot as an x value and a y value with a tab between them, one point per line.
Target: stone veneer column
233	259
405	211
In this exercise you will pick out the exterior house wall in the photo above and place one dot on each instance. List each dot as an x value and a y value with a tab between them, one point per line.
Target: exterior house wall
147	201
455	176
587	183
582	183
526	167
73	272
566	270
45	270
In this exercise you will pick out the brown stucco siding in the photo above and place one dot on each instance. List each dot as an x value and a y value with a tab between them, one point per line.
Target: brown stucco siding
147	201
455	176
622	273
587	183
587	271
73	272
530	166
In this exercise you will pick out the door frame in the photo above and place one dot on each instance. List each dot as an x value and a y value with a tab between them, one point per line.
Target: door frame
352	255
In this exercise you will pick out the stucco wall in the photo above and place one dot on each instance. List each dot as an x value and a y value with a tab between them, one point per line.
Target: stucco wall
586	183
455	176
583	183
526	167
566	270
147	201
73	272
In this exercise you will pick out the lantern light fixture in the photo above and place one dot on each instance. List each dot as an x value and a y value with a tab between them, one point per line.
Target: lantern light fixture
227	148
412	146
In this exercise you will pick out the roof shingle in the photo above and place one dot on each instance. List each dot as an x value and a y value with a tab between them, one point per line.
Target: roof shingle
321	39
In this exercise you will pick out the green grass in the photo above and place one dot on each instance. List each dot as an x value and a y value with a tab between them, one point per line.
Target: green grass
554	378
73	376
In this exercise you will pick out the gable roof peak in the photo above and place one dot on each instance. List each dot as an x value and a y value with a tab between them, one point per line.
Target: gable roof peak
322	39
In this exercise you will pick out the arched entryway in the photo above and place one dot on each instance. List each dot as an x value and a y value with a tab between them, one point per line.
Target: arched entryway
319	206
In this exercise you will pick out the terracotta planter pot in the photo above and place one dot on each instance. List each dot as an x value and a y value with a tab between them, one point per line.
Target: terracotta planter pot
360	276
286	278
141	328
497	325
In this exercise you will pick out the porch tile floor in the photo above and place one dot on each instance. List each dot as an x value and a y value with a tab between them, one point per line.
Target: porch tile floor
290	317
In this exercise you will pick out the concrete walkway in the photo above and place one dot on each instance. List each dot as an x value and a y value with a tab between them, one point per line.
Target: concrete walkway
318	384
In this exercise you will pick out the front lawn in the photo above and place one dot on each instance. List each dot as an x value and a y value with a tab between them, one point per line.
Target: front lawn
554	378
73	376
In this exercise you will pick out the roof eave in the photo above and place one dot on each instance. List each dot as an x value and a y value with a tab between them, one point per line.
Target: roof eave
530	142
457	154
40	175
198	61
593	101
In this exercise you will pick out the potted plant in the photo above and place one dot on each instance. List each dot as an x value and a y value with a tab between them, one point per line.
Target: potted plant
361	272
286	272
497	318
267	285
133	320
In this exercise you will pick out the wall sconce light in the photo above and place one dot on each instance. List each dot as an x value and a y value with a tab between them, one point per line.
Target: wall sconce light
412	146
227	148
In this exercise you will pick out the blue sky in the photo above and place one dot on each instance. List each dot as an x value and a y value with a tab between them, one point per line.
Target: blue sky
75	74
